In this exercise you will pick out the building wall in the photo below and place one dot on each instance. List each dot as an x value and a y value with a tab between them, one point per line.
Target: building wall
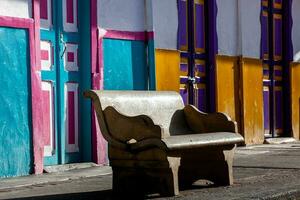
227	27
227	73
124	65
296	29
295	99
249	28
165	23
125	15
239	34
16	8
167	69
295	70
251	75
167	57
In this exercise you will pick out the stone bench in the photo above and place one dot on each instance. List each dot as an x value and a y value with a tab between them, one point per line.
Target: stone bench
156	144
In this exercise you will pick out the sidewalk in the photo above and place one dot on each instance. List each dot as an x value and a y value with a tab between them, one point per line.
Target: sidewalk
260	172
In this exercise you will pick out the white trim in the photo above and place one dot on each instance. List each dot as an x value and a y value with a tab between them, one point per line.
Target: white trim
49	150
71	87
71	66
47	24
46	64
69	27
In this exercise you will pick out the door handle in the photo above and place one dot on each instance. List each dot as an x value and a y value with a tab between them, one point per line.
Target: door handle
64	45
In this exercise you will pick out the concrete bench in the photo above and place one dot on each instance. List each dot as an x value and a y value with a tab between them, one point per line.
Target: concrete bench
156	144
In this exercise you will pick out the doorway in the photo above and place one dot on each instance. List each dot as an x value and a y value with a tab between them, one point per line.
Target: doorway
193	37
275	67
60	80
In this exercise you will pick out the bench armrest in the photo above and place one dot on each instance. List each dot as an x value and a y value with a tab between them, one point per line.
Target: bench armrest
201	122
101	120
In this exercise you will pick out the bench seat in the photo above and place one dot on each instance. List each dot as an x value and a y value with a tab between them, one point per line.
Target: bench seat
201	140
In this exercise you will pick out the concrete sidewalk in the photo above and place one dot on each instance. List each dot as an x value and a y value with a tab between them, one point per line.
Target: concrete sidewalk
260	172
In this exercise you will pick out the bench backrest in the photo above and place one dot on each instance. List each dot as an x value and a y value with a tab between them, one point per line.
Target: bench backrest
164	108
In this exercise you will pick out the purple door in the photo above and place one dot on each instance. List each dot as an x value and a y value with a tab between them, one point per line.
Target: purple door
192	47
272	54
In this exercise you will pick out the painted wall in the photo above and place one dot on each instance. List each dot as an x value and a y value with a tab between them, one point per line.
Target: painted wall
227	27
124	65
295	99
252	100
296	29
238	27
167	58
167	69
249	28
227	74
16	8
165	23
125	15
15	102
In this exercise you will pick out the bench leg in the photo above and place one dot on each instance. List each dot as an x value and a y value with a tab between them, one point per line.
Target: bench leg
170	181
223	170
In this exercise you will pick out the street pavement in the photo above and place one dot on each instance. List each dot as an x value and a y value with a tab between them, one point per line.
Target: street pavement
260	172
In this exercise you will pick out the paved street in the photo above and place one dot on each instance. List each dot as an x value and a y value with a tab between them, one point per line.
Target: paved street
261	172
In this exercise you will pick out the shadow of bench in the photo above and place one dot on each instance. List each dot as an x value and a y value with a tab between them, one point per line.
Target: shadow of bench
156	144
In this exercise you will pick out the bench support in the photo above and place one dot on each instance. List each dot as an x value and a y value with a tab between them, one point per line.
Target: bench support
214	164
136	181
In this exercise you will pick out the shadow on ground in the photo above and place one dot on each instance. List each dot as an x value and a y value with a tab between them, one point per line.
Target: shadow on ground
103	195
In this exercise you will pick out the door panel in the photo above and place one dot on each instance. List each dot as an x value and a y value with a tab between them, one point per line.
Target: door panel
49	119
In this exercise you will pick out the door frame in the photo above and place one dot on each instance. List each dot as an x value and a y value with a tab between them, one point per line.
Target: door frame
36	92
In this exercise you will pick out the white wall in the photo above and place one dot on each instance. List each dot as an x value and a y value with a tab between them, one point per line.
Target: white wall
227	27
296	29
122	15
16	8
165	23
239	27
249	28
160	16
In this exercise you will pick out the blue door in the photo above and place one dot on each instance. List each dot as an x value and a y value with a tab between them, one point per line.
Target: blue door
60	80
15	103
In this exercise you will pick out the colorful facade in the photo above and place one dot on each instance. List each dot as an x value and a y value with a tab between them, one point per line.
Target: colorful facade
235	56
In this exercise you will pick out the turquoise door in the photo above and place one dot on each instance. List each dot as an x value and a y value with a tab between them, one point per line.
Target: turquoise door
15	103
60	80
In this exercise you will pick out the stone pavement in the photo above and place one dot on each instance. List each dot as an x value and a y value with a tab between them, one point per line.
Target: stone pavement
260	172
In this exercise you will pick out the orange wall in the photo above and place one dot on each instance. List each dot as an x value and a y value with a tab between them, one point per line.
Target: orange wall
295	98
239	93
167	64
251	71
226	86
